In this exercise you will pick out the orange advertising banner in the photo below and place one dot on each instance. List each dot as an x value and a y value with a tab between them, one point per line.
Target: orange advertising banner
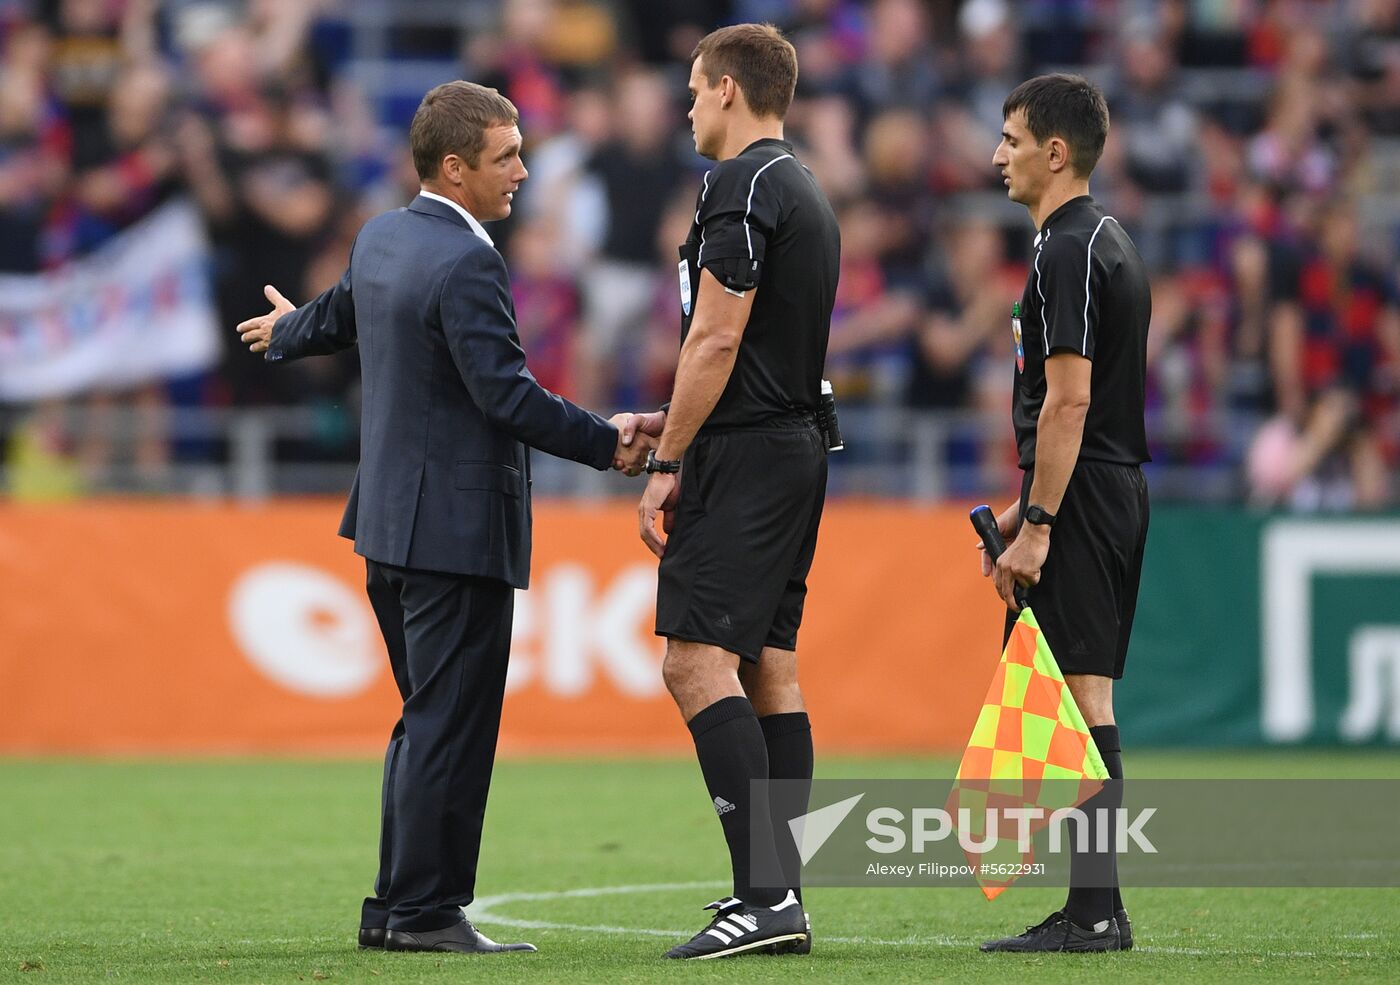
131	627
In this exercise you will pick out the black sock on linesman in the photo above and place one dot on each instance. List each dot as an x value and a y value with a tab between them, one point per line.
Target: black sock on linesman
1110	748
789	740
1093	875
729	744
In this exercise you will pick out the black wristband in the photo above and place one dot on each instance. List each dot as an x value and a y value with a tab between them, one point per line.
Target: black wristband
655	464
1039	517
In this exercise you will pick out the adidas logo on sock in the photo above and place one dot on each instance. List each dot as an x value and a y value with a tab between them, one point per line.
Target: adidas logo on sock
723	806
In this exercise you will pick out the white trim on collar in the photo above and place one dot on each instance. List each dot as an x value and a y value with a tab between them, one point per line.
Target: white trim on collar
471	220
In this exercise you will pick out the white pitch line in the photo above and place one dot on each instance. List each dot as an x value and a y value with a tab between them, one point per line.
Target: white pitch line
1209	949
483	911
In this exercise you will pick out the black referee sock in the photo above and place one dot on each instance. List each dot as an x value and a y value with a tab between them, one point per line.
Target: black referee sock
732	753
1093	877
1110	748
789	739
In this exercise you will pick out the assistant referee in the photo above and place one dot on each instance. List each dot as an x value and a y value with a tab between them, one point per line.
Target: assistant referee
1079	528
740	471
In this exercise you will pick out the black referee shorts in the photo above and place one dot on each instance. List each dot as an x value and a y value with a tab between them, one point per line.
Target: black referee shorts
734	574
1088	587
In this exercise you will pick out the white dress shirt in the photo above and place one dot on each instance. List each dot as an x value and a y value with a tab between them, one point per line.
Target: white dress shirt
471	219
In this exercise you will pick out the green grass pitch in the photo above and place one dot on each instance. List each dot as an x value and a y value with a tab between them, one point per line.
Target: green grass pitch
239	872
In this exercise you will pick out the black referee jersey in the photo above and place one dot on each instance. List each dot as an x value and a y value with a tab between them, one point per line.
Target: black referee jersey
1087	292
761	220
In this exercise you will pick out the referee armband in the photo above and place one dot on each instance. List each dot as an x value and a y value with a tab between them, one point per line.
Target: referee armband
735	274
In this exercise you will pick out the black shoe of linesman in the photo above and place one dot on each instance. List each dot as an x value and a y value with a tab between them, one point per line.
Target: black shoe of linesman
371	938
1058	932
741	928
1125	931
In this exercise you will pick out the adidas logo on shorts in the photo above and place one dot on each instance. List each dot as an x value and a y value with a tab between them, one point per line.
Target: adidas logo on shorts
722	806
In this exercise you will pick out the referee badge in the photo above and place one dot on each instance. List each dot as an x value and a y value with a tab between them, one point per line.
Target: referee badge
684	266
1016	337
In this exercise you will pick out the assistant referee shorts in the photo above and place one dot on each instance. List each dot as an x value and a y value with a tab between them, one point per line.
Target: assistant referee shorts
1088	589
734	574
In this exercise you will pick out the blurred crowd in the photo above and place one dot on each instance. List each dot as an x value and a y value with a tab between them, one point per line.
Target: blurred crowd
1254	156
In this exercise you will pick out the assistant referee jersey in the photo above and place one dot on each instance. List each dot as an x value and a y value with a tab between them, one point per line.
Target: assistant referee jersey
1087	292
761	220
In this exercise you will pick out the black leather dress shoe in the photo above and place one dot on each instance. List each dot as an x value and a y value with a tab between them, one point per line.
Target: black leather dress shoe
371	937
462	938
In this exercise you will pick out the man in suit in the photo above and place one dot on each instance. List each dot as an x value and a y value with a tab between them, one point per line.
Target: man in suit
440	507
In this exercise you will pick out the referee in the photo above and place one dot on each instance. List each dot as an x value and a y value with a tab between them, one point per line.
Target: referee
740	472
1080	332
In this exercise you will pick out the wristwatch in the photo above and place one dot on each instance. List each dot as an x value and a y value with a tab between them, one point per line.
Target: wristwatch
655	464
1038	516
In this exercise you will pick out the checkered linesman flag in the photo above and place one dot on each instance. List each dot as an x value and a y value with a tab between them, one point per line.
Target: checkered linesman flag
1030	748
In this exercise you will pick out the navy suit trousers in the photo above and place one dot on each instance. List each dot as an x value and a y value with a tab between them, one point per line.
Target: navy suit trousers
448	638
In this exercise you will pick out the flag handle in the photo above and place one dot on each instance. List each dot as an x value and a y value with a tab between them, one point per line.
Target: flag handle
984	521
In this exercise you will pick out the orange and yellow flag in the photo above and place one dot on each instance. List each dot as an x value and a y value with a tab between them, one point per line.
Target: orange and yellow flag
1030	748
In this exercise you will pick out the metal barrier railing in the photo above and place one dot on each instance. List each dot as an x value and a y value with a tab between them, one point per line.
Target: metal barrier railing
254	453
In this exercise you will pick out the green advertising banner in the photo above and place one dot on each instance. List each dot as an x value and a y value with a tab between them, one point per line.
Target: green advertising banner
1266	629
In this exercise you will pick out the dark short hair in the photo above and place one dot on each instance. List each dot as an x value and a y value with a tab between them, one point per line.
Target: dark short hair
756	56
453	119
1066	106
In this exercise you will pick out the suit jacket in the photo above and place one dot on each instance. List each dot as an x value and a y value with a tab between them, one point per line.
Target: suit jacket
449	406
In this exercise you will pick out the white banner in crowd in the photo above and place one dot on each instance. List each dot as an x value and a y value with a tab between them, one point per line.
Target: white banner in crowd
139	308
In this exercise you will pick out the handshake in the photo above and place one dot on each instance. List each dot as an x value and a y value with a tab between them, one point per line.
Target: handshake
637	434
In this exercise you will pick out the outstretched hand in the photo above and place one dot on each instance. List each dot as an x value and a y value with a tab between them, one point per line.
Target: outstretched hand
256	333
